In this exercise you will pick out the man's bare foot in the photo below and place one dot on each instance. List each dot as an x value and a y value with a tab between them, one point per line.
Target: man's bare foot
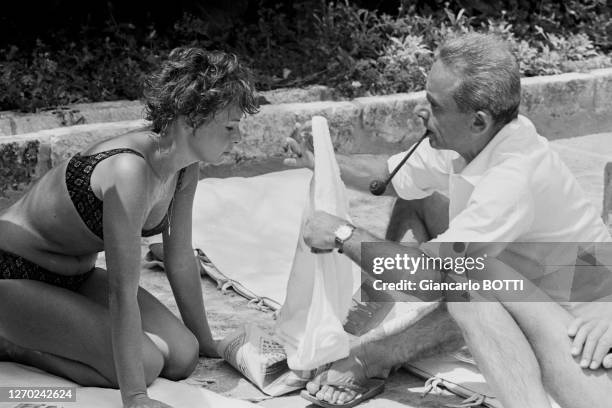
341	383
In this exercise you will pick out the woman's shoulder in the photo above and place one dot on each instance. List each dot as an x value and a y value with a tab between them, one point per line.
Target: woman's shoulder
124	174
132	140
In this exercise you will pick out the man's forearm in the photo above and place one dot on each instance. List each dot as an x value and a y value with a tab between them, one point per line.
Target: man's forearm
388	249
358	170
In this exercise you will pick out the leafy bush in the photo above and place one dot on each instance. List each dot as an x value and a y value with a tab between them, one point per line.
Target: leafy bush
355	50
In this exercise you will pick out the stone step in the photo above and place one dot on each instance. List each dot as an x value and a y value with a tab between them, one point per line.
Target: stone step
25	158
14	123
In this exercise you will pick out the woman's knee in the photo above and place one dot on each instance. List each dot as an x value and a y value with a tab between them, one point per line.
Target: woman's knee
182	357
153	363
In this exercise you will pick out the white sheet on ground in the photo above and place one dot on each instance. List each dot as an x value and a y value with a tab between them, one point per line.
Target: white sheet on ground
320	285
175	394
249	227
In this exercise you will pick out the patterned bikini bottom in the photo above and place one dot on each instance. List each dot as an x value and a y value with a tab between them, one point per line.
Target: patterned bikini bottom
15	267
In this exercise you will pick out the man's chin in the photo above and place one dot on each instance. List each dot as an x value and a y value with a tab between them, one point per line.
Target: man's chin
433	142
223	158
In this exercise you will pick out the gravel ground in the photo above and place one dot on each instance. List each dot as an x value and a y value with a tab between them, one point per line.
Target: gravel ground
226	312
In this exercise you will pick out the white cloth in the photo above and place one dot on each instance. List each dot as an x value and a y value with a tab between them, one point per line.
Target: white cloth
320	285
515	191
175	394
249	227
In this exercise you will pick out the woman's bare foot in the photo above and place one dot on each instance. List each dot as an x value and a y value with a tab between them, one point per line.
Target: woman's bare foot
210	350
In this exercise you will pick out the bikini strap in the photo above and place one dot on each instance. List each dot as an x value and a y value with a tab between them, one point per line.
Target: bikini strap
179	181
98	157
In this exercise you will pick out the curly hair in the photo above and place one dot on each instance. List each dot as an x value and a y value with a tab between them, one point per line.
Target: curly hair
197	83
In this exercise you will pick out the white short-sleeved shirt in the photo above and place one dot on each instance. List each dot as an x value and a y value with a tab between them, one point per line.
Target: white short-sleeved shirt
515	191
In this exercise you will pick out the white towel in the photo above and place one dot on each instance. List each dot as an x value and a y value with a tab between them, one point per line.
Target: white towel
175	394
320	285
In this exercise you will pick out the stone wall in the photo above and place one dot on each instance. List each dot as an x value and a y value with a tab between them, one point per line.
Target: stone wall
560	106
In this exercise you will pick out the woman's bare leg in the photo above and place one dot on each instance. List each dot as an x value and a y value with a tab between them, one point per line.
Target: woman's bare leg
177	344
68	333
60	366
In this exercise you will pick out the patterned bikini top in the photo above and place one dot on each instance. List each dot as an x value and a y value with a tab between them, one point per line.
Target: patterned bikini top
89	207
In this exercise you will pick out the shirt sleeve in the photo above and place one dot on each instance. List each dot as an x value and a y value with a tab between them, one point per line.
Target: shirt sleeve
499	211
426	171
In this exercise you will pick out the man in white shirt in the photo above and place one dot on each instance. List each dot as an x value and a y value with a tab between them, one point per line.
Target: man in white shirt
484	175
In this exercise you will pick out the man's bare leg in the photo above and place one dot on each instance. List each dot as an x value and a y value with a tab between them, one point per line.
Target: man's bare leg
523	349
434	333
503	354
379	351
375	353
545	326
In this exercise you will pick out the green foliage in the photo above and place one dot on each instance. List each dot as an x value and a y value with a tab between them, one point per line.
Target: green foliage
92	69
17	165
355	50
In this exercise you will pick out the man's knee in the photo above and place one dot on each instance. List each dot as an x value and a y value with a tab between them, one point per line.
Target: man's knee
407	215
426	218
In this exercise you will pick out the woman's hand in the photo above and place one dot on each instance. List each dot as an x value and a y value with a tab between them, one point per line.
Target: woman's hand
143	401
210	349
592	333
299	147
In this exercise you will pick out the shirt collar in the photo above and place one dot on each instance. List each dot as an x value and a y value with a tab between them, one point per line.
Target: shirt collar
514	137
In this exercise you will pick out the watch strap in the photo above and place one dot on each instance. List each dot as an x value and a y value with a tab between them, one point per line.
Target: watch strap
340	242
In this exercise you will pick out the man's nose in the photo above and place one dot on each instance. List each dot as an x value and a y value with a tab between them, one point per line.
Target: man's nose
423	112
236	136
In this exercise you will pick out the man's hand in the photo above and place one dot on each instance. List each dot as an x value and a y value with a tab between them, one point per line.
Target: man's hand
320	229
592	333
299	147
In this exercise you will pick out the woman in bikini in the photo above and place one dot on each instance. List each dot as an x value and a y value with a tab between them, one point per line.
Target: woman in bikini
98	327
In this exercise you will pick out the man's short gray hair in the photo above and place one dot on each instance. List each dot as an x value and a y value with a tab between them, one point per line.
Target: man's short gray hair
489	74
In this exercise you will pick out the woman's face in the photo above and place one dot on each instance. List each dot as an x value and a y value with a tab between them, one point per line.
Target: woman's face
213	139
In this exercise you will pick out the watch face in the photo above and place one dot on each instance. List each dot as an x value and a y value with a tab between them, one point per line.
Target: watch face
344	232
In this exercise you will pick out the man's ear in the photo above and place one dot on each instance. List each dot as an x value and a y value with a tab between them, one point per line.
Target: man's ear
482	122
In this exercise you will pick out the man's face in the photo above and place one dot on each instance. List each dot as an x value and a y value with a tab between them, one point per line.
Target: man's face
448	127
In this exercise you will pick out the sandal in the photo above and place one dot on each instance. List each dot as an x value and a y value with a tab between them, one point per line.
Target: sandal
371	388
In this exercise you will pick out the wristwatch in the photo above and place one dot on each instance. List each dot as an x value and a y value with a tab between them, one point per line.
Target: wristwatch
343	233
